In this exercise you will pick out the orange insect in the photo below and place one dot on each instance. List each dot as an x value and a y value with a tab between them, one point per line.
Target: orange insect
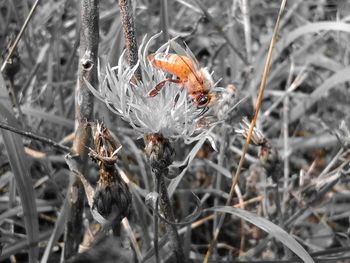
197	80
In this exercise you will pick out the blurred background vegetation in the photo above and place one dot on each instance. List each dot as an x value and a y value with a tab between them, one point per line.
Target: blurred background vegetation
304	116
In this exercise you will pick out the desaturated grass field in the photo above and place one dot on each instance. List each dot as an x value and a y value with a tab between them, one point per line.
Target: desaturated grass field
108	154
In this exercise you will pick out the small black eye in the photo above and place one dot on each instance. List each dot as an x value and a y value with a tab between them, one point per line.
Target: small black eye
202	101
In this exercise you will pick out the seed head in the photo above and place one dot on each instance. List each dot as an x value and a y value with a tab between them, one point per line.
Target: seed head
258	137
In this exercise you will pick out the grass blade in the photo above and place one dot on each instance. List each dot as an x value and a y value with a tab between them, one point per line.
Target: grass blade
269	227
19	165
312	28
57	232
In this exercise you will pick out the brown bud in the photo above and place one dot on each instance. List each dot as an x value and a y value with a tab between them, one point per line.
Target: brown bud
159	151
112	196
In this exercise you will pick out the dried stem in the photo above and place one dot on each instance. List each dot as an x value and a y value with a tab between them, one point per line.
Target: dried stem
35	137
129	34
89	38
167	210
218	179
156	221
286	143
132	238
247	29
13	47
235	179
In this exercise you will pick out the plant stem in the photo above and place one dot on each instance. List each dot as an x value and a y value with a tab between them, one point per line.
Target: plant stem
247	29
167	210
14	45
89	39
155	218
35	137
129	34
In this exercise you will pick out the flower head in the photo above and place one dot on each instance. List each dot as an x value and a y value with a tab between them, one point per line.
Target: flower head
257	138
171	113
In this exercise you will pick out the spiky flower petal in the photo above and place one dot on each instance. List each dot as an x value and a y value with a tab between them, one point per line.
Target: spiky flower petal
170	113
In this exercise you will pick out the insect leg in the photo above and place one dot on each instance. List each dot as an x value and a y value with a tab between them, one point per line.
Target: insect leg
160	85
181	89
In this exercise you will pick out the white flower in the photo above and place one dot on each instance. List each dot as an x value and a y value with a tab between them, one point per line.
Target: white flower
171	112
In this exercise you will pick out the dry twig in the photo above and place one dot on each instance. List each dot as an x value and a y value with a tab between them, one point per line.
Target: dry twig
129	34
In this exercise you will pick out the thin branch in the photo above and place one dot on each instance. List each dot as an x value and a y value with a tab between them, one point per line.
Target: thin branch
155	221
14	45
286	141
35	137
168	212
132	238
218	179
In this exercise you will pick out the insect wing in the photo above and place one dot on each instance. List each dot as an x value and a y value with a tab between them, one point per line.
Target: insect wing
175	64
180	50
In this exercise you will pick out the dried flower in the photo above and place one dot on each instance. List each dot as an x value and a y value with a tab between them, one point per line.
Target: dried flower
106	145
258	137
112	195
228	101
170	113
343	134
268	155
159	151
